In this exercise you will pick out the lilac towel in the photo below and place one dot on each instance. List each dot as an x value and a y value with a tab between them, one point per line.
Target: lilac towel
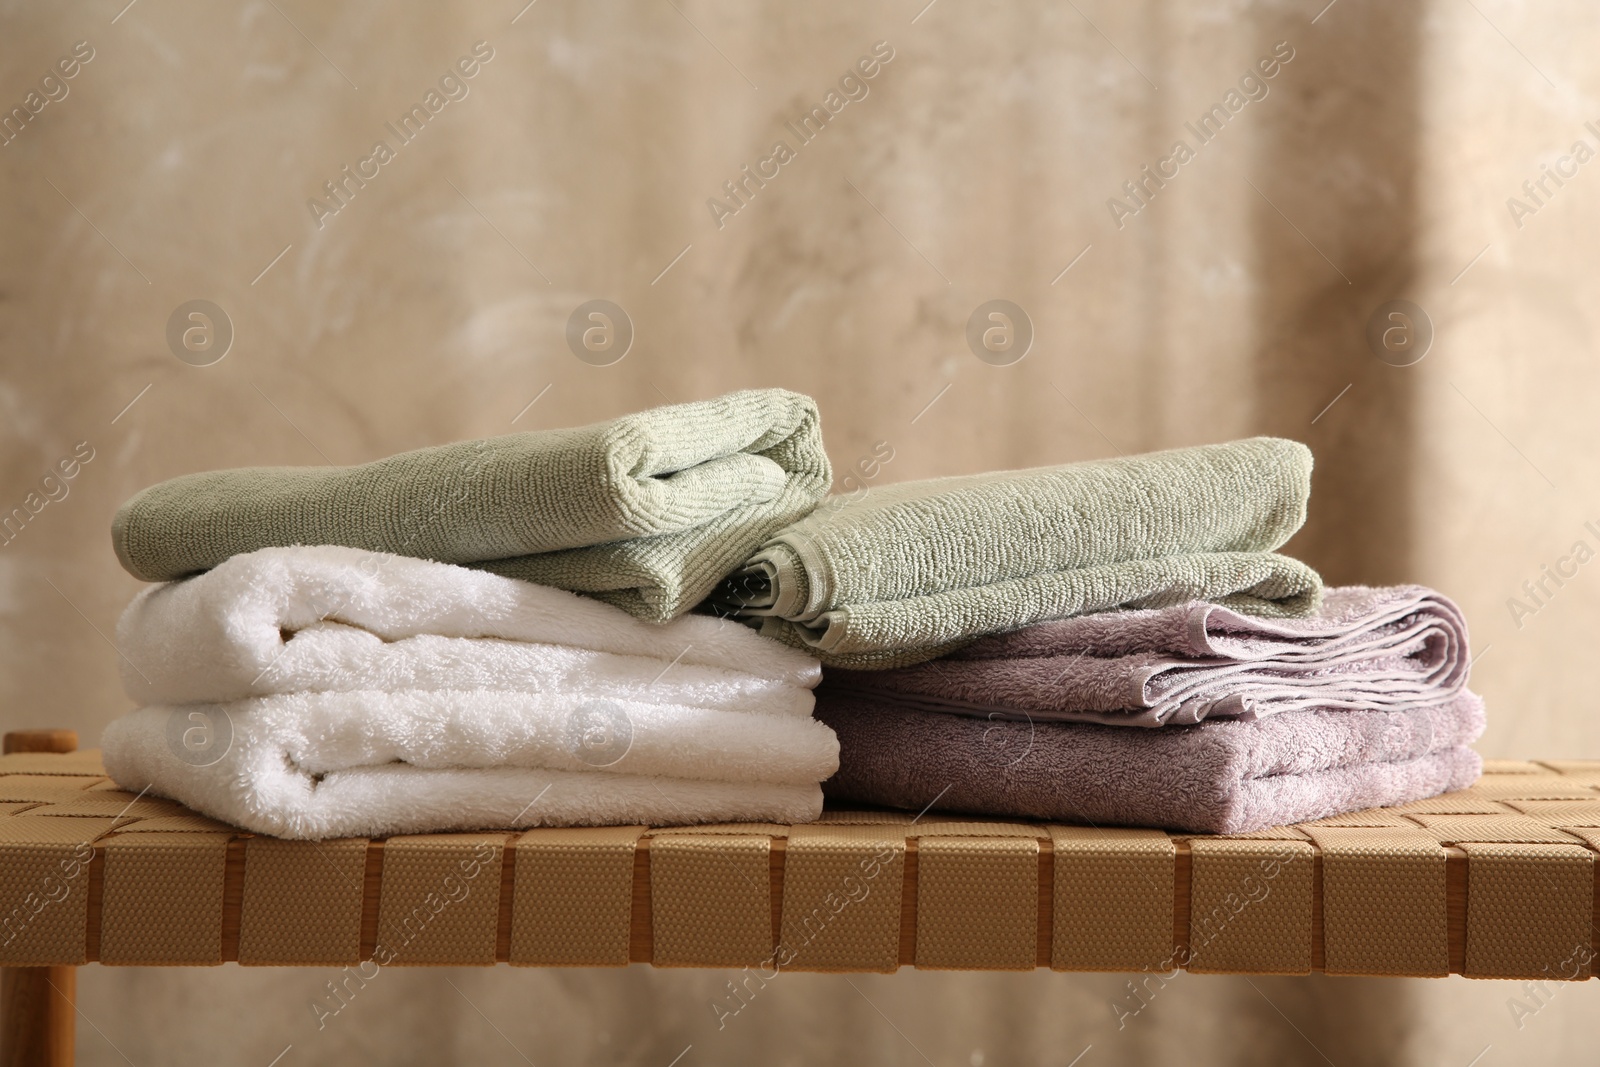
1214	777
1363	648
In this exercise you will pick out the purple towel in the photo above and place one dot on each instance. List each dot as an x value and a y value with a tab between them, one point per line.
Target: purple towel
1363	648
1213	777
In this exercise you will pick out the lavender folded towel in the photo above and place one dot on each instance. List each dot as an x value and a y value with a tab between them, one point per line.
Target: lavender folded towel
1363	648
1214	777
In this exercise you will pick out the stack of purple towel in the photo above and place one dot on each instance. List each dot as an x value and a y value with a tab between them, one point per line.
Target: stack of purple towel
1193	717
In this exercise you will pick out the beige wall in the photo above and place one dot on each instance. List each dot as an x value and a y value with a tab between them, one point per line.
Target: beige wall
432	308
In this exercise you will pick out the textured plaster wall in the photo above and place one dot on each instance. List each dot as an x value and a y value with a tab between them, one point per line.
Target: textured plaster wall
432	307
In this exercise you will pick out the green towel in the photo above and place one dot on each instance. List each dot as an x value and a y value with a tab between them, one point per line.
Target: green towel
903	573
647	512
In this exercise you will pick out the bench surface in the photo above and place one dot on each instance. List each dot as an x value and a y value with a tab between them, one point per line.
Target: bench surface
1497	881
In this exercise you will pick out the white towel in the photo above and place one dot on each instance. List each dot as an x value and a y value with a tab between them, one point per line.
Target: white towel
324	733
351	692
254	785
326	618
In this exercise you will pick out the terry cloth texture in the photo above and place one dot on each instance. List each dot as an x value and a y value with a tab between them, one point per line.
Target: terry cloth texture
325	618
1214	777
325	733
647	512
1363	648
907	572
326	697
255	785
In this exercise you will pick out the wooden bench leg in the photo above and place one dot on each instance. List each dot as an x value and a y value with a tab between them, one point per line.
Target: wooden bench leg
37	1016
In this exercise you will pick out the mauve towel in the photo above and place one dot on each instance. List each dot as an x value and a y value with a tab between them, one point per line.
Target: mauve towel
903	573
1214	777
1364	648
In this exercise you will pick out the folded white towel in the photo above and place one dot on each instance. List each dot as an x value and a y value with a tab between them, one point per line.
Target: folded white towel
324	733
348	692
327	618
256	785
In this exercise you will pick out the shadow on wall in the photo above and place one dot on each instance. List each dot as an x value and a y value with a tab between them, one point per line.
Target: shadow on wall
1335	227
1340	167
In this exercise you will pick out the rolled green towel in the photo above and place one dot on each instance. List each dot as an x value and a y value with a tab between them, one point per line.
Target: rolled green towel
903	573
647	512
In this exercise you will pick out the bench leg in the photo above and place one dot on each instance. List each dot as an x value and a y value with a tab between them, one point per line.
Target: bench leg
37	1024
36	1016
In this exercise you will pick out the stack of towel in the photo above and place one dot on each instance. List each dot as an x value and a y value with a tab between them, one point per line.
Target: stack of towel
1153	661
494	634
1192	717
347	688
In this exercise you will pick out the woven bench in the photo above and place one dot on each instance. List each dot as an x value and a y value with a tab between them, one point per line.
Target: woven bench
1497	881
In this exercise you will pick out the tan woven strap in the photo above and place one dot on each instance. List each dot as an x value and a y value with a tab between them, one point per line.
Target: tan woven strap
872	818
1112	899
1250	906
842	888
723	829
1383	901
1373	817
1463	803
1548	786
116	804
977	903
573	896
85	762
187	823
711	900
934	827
44	888
1590	835
302	902
1561	813
162	899
1573	766
1530	909
48	788
28	828
1511	766
440	902
1590	778
1508	829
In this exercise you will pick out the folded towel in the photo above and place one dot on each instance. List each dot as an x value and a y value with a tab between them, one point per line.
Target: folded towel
1363	648
338	691
258	785
647	511
1214	777
326	618
325	733
906	572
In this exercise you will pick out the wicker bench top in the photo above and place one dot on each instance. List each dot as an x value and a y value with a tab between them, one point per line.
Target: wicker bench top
1497	881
